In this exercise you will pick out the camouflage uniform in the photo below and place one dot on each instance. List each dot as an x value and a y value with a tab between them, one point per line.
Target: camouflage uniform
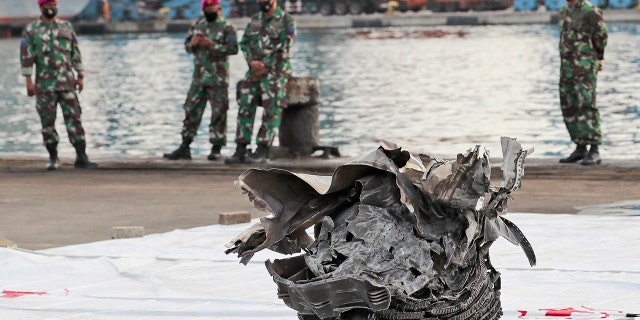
210	79
583	37
53	48
266	39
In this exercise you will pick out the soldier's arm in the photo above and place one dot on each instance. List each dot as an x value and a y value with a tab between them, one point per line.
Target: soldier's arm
230	45
245	46
561	18
287	36
27	56
27	59
290	32
599	34
285	41
76	57
187	42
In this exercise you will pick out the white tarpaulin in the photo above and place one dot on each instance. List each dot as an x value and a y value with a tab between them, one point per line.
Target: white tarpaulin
588	263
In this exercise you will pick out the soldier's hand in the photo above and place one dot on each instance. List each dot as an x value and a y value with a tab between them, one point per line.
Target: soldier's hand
31	88
194	41
79	84
600	65
205	42
258	68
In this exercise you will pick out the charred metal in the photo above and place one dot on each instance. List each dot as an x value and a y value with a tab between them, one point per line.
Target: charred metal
396	235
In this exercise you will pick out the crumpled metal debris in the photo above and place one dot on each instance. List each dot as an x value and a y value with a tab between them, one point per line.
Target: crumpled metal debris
397	235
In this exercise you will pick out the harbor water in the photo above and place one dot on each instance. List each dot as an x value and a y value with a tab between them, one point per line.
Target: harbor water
443	90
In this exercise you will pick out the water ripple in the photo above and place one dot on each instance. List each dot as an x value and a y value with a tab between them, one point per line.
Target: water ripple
441	94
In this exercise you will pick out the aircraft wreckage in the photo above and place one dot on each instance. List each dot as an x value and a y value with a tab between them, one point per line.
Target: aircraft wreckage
397	235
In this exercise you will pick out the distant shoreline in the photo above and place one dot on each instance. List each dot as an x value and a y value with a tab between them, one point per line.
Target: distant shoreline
420	19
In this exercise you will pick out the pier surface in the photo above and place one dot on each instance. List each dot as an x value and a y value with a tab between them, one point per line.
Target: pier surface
43	209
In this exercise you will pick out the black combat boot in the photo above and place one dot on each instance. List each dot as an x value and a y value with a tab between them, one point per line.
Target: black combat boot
82	160
578	154
260	156
54	162
239	156
592	157
183	151
215	153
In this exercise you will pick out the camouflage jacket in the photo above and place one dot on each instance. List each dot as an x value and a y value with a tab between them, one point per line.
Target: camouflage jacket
582	31
53	48
212	64
269	39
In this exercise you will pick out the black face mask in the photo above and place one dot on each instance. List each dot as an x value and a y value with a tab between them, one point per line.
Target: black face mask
211	16
264	5
49	13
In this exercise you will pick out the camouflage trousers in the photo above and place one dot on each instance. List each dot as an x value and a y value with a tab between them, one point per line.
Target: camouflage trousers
218	97
578	100
271	95
47	104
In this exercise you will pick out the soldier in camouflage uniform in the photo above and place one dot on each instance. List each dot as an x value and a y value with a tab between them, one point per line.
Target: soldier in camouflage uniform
211	39
583	37
265	44
51	45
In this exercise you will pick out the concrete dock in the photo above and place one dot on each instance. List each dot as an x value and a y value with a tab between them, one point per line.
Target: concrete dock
408	19
40	209
317	21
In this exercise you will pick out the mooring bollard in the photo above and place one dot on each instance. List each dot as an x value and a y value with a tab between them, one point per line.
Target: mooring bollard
300	127
299	130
